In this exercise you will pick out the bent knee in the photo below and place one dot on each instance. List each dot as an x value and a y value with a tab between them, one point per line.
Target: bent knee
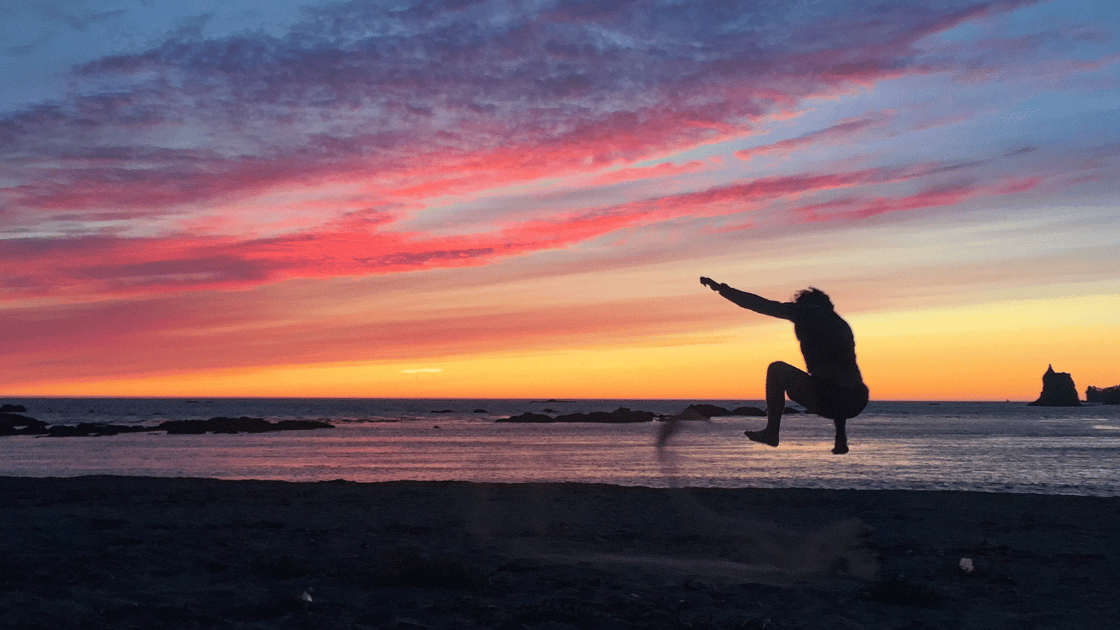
781	368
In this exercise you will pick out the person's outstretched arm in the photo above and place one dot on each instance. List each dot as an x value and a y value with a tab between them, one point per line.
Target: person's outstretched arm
749	301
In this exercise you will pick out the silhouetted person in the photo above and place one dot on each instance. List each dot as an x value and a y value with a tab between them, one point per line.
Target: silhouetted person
833	387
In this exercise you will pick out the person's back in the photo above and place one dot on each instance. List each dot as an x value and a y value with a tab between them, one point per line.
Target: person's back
827	344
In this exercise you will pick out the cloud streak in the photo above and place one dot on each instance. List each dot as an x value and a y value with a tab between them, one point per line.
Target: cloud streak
357	246
845	131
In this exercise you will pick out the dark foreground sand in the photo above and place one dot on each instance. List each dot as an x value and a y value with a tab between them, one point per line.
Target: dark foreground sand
114	552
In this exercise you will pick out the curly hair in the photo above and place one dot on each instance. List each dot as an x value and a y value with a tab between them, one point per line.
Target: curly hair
813	297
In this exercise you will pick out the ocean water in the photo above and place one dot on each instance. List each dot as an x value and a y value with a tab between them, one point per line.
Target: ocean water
983	446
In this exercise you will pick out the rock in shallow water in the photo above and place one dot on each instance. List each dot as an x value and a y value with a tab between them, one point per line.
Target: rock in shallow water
620	415
244	424
15	424
1058	390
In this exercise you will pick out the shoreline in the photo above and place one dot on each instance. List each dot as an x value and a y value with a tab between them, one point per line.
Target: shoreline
133	552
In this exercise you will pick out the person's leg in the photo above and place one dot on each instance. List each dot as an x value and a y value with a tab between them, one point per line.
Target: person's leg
841	446
840	404
781	379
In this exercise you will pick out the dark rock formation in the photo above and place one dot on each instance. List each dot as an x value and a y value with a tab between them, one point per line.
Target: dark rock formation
12	409
528	416
620	415
15	424
1104	395
687	414
748	411
709	411
244	424
92	429
1058	390
755	411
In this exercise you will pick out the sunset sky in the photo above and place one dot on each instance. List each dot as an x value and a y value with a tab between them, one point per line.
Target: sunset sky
517	199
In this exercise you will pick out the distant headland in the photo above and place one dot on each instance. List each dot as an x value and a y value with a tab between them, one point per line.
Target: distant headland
1103	395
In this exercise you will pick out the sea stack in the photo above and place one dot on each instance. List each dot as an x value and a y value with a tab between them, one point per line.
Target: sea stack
1058	390
1104	395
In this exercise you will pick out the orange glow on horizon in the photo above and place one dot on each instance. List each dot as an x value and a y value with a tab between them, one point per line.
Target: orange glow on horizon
977	353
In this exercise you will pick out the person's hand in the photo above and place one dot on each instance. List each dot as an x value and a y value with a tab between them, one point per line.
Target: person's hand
711	284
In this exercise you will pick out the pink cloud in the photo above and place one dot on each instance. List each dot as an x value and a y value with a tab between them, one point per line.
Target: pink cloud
359	245
855	207
665	169
842	132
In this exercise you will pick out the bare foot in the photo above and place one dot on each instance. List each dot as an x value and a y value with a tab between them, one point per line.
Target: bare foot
763	436
840	449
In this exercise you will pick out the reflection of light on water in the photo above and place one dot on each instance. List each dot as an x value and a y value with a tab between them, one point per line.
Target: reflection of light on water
1021	451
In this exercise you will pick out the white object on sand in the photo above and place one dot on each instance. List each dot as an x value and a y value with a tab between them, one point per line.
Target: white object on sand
966	565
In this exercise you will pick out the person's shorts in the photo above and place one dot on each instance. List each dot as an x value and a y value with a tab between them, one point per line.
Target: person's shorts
837	402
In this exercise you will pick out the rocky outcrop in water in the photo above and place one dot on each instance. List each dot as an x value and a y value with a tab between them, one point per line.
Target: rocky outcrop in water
1058	390
620	415
688	414
1103	395
754	412
708	411
244	424
93	429
16	424
529	417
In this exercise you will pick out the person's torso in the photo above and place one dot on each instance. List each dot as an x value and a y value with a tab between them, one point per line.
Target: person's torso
828	345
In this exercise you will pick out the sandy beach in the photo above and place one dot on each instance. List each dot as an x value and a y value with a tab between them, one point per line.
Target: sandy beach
119	552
